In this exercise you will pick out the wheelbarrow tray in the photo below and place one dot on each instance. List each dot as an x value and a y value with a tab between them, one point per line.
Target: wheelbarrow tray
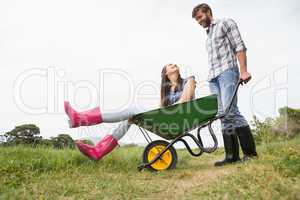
171	121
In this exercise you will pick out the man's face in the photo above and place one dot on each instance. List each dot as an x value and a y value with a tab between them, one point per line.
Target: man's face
203	18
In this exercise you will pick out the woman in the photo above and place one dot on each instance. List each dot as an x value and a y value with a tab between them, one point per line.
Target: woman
174	89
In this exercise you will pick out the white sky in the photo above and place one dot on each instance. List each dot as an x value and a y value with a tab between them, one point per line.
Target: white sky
73	41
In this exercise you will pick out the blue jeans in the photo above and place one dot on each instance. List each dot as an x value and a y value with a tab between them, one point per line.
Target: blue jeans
223	86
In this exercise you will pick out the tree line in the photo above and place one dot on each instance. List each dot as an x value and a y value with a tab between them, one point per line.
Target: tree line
285	126
29	135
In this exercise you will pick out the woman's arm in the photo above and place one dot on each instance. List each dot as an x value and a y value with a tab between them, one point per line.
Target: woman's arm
188	90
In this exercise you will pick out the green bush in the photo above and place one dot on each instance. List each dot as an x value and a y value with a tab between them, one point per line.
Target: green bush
288	123
262	130
285	126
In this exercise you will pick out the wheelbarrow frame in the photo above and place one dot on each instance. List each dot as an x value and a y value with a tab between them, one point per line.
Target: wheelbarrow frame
197	139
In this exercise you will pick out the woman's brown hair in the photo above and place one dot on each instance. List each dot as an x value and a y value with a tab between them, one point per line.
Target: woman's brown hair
166	87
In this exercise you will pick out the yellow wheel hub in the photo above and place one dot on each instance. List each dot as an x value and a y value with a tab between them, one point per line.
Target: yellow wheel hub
164	161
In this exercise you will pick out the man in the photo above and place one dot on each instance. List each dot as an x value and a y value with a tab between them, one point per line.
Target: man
225	50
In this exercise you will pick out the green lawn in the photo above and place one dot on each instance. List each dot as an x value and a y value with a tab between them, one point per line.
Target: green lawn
41	173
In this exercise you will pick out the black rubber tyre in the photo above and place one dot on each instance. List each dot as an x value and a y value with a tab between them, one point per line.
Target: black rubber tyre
170	155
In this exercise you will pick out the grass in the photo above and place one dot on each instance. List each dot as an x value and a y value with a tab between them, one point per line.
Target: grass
41	173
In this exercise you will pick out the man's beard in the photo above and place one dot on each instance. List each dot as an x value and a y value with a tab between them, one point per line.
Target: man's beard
206	23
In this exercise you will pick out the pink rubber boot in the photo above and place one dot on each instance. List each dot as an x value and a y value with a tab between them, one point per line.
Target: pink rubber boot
106	145
85	118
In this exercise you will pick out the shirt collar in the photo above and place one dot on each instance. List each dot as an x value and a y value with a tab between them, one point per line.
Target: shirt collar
213	22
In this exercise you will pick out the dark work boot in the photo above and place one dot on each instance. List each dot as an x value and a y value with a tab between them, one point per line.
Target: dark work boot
247	142
231	146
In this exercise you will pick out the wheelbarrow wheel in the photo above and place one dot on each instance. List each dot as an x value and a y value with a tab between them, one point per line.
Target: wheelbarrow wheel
167	161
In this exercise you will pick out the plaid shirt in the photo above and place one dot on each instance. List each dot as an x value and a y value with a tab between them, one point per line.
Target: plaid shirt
223	42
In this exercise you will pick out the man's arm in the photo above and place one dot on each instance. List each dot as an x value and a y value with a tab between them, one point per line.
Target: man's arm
231	30
242	58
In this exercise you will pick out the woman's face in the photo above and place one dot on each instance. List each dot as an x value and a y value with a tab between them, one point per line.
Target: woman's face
172	69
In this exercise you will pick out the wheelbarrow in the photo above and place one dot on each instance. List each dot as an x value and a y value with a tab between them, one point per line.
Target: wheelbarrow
173	123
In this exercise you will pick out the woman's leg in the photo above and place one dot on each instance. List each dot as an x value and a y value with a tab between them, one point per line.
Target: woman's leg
121	130
111	117
106	145
95	116
84	118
